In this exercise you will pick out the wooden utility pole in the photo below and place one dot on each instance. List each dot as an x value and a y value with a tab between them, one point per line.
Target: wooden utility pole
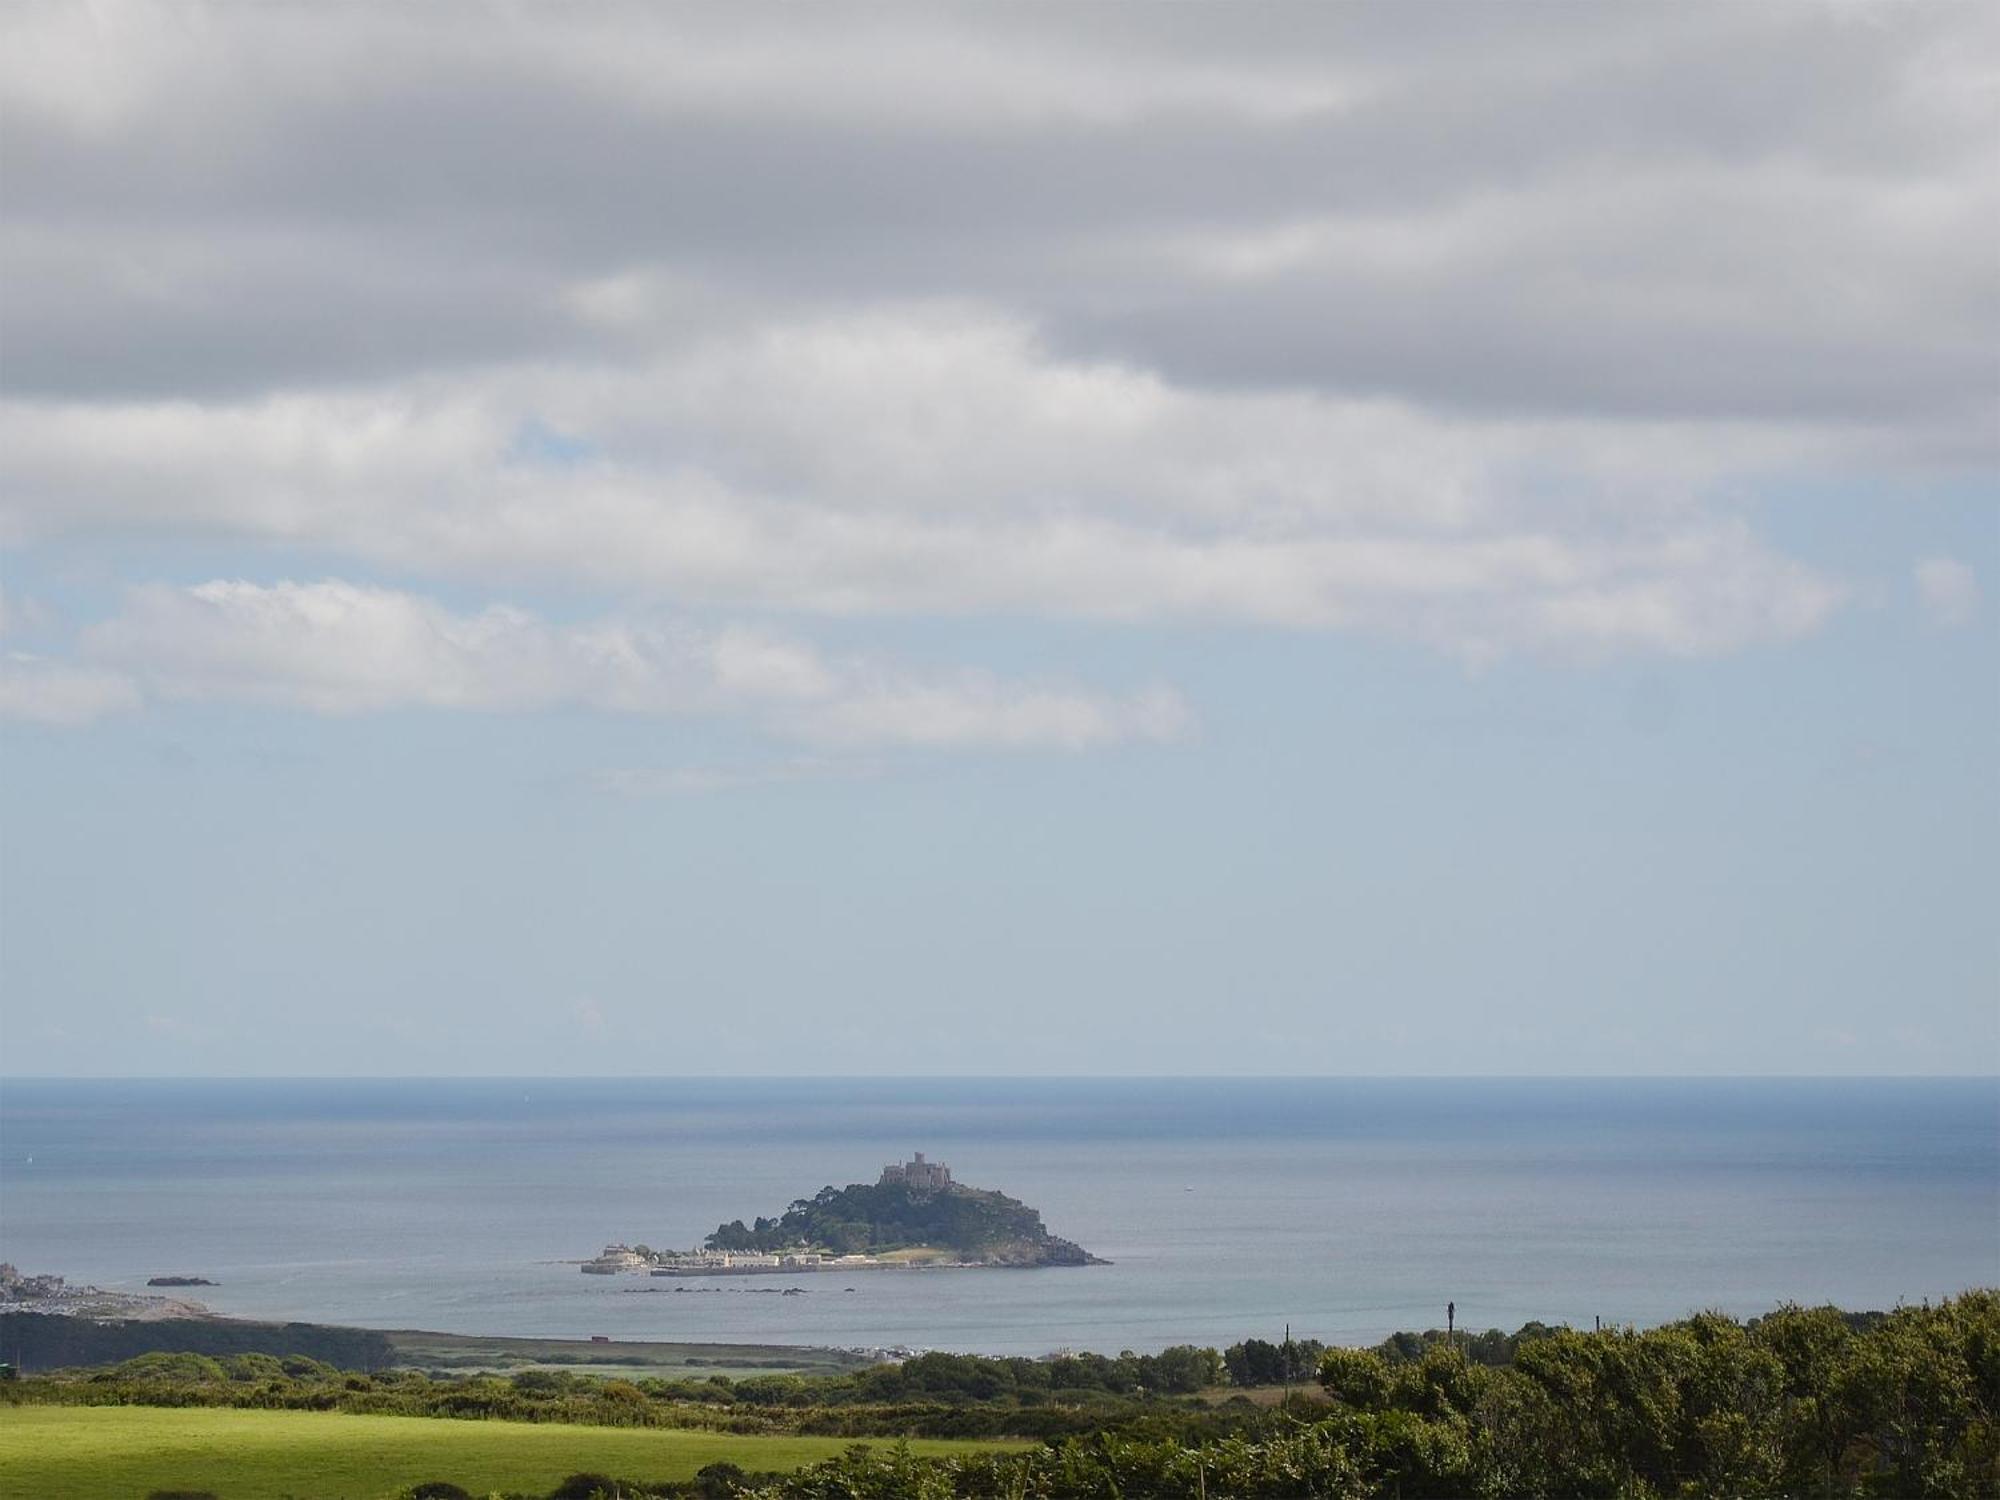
1450	1326
1286	1355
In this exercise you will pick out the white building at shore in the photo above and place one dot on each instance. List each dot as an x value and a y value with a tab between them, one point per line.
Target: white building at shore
614	1259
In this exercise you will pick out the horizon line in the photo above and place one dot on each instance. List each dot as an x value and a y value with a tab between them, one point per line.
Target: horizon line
7	1078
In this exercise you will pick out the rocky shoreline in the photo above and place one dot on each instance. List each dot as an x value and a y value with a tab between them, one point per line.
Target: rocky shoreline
57	1297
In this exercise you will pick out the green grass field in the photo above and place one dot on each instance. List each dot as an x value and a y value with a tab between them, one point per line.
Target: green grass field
122	1452
465	1352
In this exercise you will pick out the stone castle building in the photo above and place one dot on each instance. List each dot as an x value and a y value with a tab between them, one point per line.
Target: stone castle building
925	1176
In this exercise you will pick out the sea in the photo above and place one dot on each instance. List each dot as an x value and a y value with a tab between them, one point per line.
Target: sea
1343	1209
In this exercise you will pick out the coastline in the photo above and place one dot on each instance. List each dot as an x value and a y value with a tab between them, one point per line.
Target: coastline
41	1340
691	1273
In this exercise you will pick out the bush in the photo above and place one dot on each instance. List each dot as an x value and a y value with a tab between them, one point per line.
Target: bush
175	1369
1355	1377
719	1481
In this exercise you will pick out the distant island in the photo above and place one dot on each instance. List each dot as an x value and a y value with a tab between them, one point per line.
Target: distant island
178	1281
913	1215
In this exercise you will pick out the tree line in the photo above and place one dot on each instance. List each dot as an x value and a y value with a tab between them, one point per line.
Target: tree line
1805	1402
47	1341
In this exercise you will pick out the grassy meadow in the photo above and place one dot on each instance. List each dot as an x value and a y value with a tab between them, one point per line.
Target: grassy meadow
122	1452
465	1353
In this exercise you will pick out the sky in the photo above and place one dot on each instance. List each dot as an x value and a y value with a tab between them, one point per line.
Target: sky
653	539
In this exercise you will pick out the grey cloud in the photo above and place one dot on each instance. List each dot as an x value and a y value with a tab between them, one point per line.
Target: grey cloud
204	315
1702	195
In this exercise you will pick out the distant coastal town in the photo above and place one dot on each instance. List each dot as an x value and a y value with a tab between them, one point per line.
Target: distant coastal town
53	1295
616	1260
915	1215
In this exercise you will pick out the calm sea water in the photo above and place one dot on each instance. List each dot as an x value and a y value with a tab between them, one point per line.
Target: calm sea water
1347	1208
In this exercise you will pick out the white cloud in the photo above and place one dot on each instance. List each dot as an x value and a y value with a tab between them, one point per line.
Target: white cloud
1948	589
930	460
36	690
974	710
341	648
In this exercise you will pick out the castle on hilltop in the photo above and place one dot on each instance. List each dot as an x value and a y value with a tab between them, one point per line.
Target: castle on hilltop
925	1176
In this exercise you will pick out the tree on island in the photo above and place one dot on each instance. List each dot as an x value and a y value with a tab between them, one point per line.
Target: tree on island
880	1217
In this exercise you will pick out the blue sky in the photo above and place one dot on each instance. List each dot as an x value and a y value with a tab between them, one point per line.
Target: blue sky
998	542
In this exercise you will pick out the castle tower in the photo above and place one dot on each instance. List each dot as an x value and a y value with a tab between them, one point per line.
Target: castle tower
924	1176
